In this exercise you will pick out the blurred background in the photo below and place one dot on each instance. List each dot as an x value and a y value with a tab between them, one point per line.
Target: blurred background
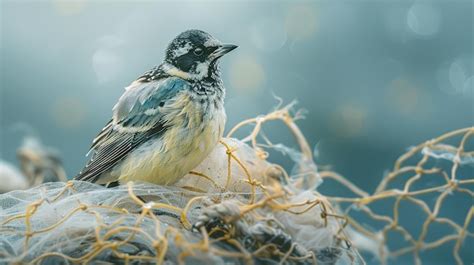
375	77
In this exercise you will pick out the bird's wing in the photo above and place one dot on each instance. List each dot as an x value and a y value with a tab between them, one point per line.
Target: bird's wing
137	117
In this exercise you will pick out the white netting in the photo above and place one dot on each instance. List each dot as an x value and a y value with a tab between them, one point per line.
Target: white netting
236	207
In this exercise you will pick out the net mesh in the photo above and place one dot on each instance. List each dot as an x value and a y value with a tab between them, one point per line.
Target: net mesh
236	207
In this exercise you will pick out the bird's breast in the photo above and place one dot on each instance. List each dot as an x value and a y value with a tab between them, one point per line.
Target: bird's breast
194	127
194	122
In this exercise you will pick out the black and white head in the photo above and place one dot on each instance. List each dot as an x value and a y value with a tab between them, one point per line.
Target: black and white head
194	55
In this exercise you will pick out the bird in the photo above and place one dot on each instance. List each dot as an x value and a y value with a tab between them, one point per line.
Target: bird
167	121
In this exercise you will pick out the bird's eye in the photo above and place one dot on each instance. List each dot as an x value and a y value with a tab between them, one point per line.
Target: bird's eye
198	51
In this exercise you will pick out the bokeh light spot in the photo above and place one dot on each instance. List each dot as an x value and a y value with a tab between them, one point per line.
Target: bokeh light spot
246	75
348	120
423	19
68	113
457	76
468	89
403	95
69	7
106	65
301	22
106	61
453	76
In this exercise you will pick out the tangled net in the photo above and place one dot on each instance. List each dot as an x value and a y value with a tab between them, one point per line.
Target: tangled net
236	207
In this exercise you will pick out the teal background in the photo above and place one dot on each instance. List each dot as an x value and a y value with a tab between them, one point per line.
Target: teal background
375	77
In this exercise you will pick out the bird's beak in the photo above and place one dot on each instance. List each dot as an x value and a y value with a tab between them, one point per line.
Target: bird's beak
223	49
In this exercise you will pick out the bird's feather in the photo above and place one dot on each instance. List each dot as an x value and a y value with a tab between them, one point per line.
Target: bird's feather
137	117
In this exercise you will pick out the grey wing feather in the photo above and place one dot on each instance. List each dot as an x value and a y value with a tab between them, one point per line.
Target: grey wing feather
130	127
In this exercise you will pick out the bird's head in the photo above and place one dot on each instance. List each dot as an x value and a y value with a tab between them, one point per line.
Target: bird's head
194	55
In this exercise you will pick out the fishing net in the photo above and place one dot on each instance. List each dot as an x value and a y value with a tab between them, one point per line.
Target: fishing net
238	208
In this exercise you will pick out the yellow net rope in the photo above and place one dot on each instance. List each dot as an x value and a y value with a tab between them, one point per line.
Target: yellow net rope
402	185
237	207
